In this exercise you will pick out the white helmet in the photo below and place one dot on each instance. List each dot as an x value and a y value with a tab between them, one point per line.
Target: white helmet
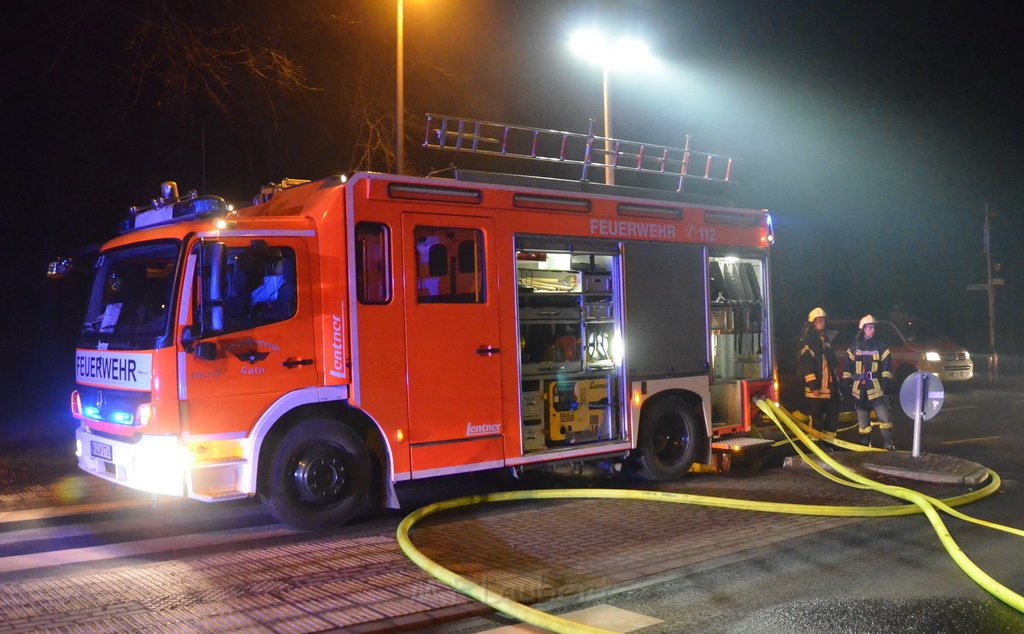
816	312
865	320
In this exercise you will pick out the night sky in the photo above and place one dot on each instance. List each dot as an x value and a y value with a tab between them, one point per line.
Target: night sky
875	132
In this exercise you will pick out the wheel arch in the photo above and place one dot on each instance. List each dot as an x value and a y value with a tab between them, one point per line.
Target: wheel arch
278	421
689	399
648	458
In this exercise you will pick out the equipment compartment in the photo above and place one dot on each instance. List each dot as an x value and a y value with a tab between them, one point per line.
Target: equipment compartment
567	329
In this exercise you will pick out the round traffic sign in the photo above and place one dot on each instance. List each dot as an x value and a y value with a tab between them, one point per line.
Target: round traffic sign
921	392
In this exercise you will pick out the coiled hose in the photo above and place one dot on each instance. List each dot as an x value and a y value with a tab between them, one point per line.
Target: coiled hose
919	504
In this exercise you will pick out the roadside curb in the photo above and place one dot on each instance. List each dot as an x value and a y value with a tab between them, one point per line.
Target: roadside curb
931	468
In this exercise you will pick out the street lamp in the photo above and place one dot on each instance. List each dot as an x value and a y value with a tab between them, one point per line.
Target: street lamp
400	92
625	52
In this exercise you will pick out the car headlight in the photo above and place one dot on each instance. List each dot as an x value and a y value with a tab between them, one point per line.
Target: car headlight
932	356
967	355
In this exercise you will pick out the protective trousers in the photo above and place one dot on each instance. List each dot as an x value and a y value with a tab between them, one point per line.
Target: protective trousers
864	407
824	413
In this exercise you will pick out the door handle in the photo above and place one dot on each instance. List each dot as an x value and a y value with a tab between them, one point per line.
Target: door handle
293	362
486	351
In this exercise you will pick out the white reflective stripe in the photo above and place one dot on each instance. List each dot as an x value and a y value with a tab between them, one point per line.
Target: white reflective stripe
182	388
353	302
262	233
478	466
562	454
186	291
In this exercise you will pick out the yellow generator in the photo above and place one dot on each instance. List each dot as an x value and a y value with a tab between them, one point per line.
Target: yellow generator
576	410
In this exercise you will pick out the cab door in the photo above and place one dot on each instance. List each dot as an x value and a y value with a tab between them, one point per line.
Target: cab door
264	349
453	356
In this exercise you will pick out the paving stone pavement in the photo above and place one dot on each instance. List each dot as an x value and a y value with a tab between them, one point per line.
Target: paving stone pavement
530	551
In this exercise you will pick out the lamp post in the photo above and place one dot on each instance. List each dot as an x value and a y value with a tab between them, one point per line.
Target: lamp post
400	92
609	171
593	46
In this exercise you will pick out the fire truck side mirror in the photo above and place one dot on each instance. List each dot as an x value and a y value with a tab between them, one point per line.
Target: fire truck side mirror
213	279
205	350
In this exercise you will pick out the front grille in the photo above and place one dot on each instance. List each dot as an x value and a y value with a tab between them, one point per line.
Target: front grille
954	356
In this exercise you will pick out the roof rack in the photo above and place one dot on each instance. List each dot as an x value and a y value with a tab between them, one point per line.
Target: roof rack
446	132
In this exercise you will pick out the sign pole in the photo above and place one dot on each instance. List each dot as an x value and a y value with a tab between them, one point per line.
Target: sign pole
993	359
922	379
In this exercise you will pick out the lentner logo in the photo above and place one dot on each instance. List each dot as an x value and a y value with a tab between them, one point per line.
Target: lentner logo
337	347
482	429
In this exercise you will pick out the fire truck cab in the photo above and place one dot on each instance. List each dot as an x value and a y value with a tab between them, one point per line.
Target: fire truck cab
343	335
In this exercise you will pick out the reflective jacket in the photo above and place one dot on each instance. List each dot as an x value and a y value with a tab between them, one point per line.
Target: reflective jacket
818	366
870	368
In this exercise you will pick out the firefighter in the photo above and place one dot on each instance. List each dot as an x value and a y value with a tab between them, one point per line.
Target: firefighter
820	371
869	378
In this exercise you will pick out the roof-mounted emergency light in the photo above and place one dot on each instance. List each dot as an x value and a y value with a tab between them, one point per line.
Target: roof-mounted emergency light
173	208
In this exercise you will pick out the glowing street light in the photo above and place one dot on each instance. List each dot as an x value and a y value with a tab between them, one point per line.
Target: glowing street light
623	53
400	92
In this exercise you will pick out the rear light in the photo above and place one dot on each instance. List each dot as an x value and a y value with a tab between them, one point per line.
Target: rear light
751	391
774	396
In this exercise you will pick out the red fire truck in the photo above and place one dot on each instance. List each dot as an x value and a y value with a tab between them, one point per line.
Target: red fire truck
343	335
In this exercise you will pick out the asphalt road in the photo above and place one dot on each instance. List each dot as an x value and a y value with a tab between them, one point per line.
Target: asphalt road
881	575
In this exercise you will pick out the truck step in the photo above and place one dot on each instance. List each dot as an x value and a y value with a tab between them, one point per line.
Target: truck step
218	462
220	496
738	443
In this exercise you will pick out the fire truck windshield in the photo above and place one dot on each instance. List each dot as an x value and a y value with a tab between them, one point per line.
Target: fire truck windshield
131	296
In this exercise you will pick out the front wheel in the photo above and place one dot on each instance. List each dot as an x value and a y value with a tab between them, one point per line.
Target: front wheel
319	475
668	441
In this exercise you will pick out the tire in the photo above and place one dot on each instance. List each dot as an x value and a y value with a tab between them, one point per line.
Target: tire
668	441
319	475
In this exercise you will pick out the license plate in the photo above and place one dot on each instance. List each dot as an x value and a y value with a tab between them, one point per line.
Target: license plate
101	450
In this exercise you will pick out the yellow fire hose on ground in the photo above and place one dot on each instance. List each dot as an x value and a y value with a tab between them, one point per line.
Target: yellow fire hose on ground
919	503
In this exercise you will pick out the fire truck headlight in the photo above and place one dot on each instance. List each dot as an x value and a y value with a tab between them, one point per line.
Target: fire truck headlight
932	356
159	471
78	448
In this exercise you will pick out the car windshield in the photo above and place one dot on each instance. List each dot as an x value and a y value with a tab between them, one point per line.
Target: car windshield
917	330
842	332
131	295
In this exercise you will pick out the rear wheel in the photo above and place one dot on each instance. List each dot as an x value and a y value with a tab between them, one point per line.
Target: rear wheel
319	475
668	441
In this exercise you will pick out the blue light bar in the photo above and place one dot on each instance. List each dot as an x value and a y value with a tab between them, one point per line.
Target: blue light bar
188	208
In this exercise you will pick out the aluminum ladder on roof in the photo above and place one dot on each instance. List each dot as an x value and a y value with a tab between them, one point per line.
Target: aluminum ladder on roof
459	134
